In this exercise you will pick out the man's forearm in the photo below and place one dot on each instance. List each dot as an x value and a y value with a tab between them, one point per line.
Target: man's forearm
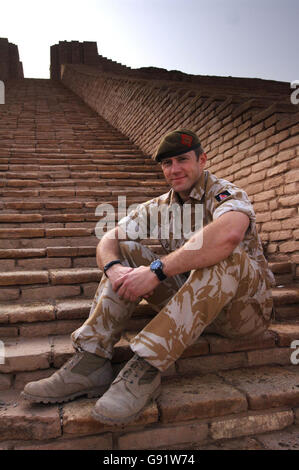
214	250
107	249
218	241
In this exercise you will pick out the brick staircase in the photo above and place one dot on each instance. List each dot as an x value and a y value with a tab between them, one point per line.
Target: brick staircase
58	161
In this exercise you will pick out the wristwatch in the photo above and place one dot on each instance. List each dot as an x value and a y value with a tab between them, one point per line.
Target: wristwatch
108	265
157	268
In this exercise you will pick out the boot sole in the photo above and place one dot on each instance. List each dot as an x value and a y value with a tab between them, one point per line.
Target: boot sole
107	420
96	392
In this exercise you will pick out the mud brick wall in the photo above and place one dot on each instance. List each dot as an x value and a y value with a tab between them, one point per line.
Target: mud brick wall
75	52
10	65
252	141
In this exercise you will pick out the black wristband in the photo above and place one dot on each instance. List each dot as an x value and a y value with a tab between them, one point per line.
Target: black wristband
108	265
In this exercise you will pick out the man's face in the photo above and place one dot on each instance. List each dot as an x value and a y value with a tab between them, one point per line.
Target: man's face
183	172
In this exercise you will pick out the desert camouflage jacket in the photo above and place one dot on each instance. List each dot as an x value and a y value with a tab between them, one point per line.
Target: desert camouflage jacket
213	196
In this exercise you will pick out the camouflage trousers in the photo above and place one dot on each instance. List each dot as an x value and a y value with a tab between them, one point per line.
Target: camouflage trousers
229	298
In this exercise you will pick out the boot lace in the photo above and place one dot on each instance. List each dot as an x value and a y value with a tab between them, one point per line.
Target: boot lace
139	365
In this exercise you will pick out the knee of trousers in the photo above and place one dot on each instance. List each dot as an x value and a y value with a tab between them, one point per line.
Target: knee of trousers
135	253
128	246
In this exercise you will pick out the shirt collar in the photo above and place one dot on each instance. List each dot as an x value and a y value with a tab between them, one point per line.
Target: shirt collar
196	193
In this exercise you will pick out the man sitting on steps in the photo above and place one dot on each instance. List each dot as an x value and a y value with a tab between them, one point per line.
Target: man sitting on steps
218	281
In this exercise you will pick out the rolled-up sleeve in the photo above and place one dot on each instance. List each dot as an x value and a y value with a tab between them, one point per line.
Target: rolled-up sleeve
236	201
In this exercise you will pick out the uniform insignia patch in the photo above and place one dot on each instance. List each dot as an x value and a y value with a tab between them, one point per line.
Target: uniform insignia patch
186	139
222	196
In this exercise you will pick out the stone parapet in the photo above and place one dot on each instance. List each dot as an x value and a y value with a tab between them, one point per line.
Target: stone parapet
10	65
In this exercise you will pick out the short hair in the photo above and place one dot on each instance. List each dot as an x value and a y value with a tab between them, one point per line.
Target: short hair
198	152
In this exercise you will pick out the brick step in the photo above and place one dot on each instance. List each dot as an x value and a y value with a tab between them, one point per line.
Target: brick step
57	317
286	302
69	152
210	353
284	272
109	194
22	317
55	257
283	295
89	162
48	207
44	283
64	171
45	206
40	161
69	143
124	185
285	438
45	258
36	238
193	410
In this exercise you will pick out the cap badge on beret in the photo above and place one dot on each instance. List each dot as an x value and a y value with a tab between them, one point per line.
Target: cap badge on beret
176	143
186	139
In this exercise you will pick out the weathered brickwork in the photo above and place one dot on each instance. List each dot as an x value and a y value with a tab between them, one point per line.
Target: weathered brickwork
10	65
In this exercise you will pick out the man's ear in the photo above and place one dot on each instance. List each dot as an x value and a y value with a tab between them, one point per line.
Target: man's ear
203	159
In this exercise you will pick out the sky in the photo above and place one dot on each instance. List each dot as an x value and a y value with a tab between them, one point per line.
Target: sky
238	38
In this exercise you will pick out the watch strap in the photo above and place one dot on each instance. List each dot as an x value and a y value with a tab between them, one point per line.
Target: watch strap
111	263
158	271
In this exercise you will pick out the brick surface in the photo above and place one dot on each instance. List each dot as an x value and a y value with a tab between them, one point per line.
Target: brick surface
50	292
27	313
286	333
269	356
102	442
73	309
211	363
219	344
164	436
254	423
266	387
62	349
288	439
9	294
198	397
19	420
28	277
5	381
77	420
23	354
49	328
75	276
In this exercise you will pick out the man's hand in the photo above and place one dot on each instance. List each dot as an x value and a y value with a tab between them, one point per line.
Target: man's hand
139	282
116	272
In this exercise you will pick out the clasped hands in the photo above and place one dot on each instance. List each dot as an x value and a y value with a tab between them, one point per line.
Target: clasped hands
132	283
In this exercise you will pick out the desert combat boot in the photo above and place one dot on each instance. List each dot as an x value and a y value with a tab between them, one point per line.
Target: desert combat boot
137	384
83	374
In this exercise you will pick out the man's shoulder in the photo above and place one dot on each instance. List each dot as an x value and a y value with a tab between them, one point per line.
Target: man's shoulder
217	186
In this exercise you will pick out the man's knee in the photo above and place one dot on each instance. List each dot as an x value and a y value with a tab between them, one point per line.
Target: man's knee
136	253
127	246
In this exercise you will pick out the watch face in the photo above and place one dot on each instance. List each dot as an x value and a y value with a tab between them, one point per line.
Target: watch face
156	264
